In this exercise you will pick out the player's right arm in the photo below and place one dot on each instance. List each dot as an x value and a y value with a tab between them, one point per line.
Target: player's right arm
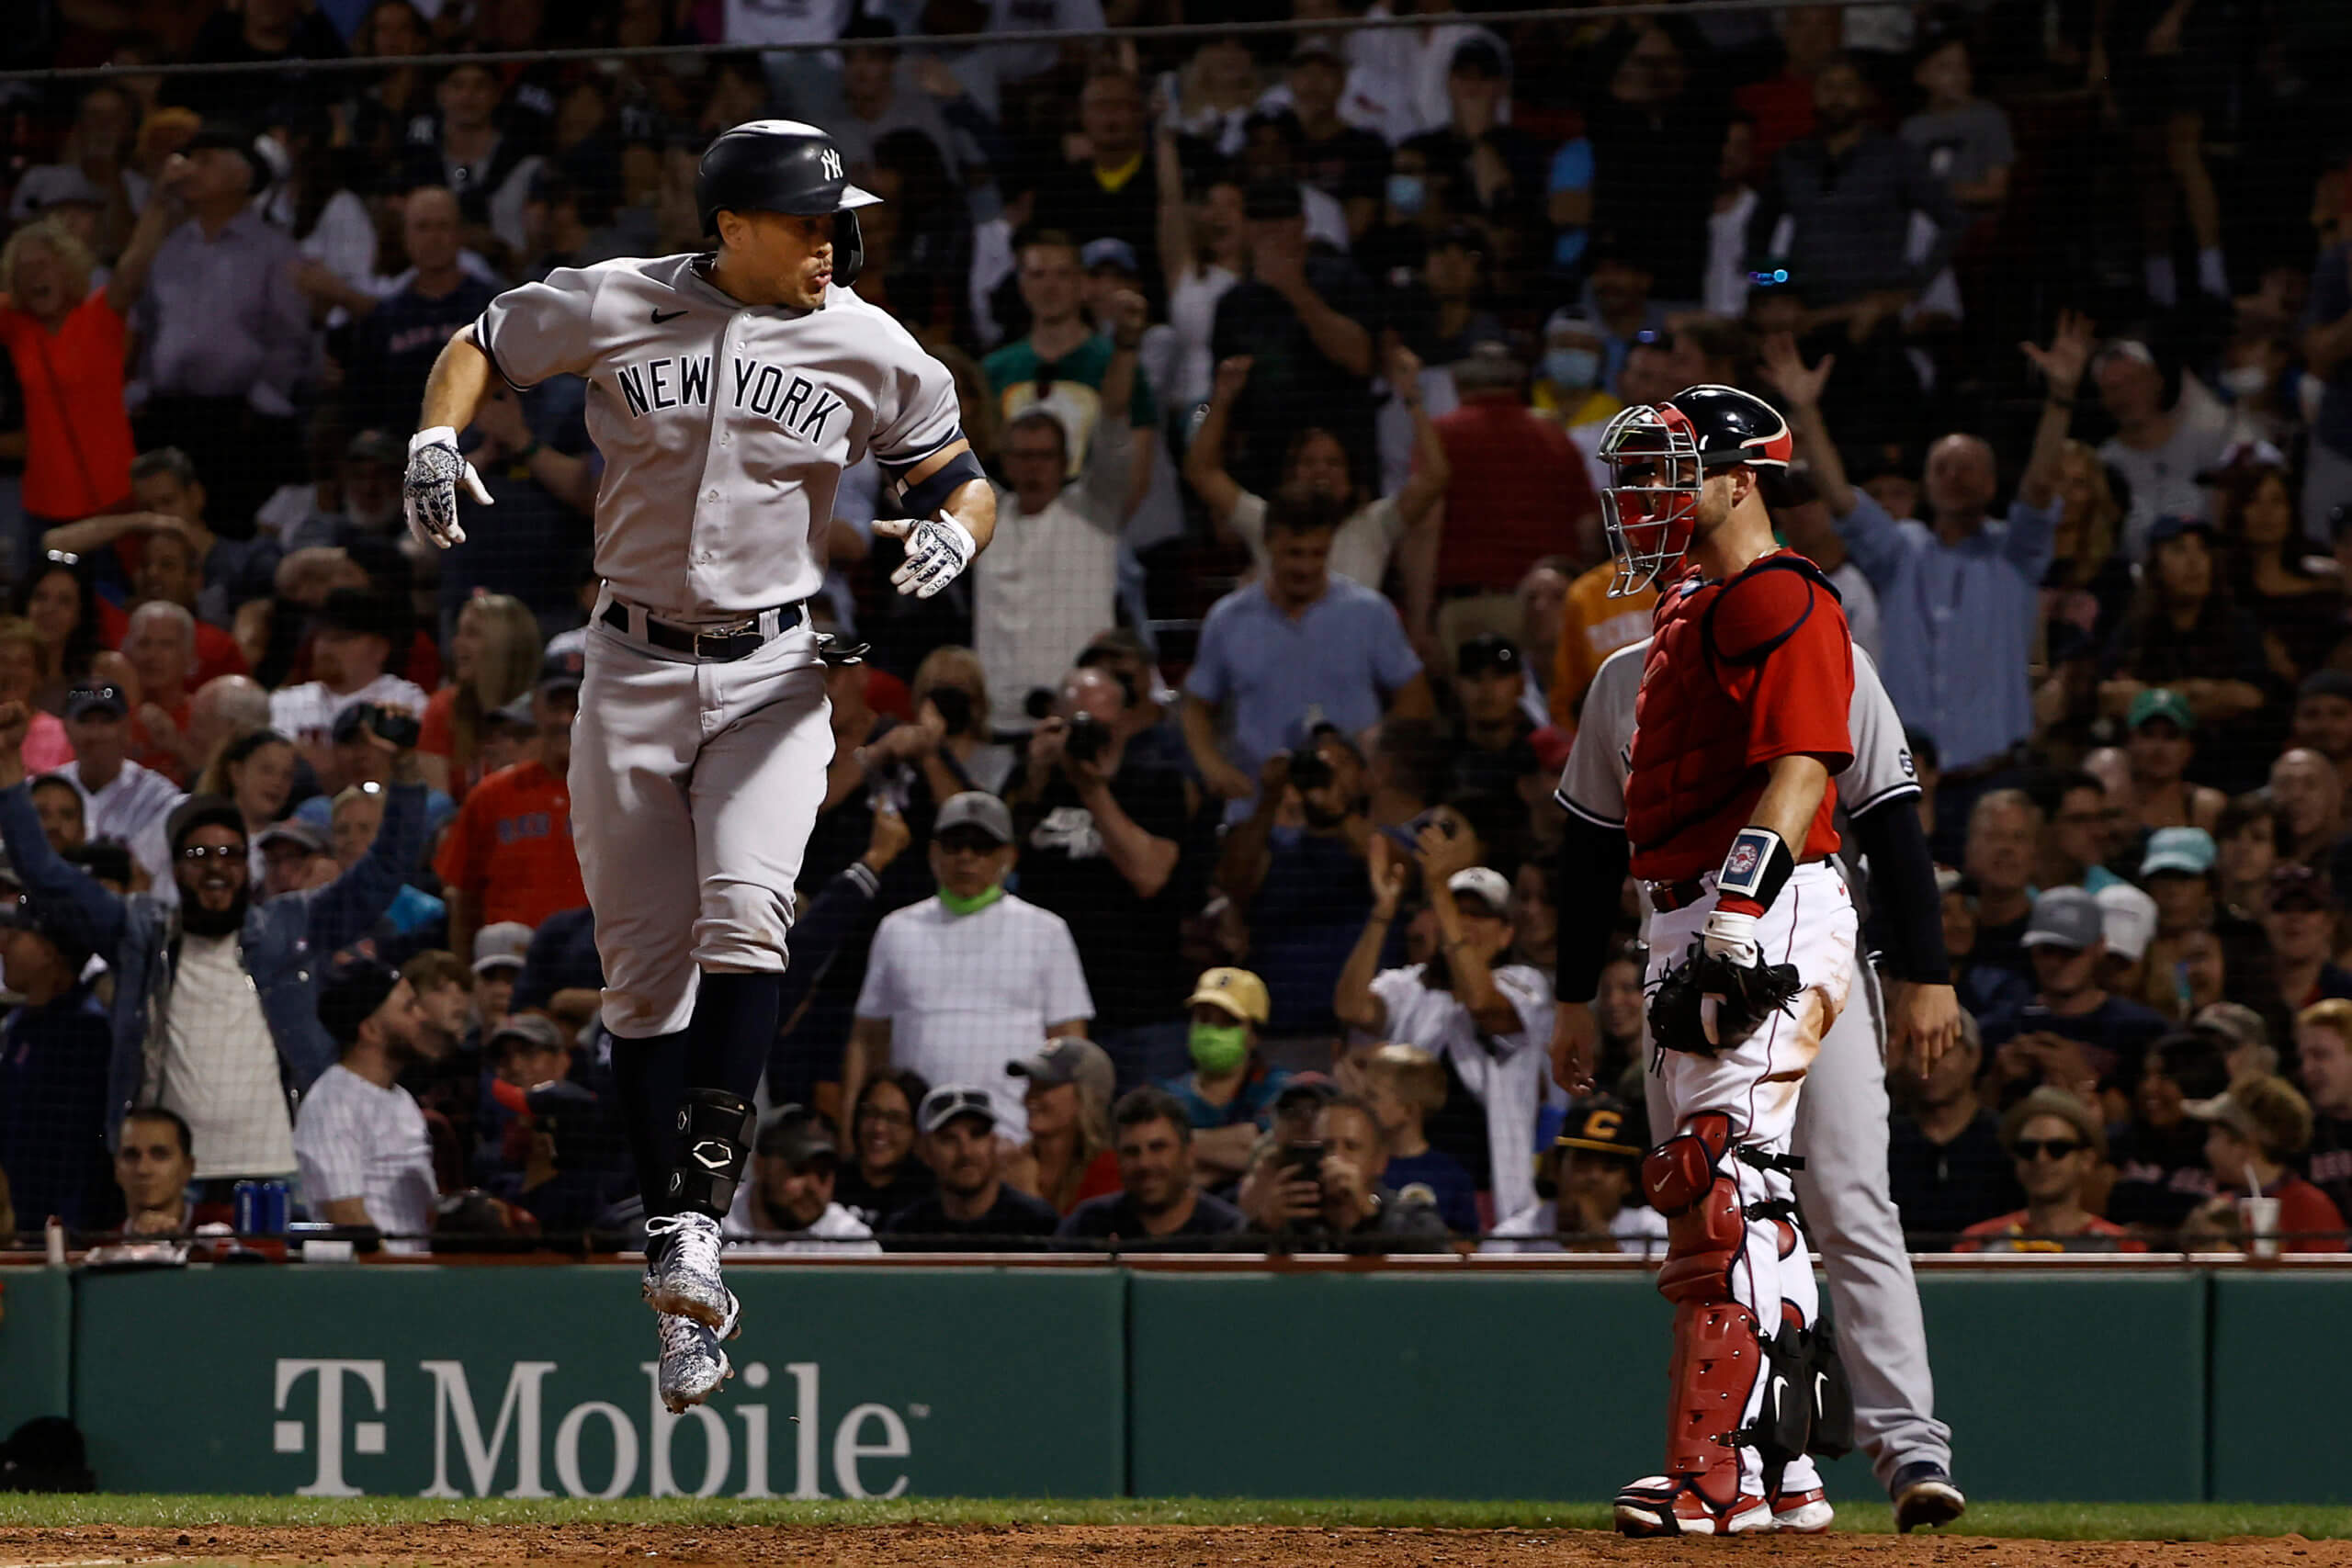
1594	857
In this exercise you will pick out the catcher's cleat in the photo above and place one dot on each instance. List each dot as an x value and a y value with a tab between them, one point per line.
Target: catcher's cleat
683	1278
1802	1512
694	1362
1923	1494
1663	1506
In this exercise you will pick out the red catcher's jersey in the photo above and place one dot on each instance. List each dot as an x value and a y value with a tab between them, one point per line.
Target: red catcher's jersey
1741	674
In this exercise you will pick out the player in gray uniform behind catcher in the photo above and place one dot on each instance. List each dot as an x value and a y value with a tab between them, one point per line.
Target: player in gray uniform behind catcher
727	392
1841	1119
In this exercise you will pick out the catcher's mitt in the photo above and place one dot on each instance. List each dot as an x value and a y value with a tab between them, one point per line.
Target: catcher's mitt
1743	995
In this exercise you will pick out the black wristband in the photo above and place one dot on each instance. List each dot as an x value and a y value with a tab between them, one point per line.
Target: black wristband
1757	865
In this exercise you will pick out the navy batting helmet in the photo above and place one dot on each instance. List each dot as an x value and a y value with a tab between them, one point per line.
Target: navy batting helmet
782	165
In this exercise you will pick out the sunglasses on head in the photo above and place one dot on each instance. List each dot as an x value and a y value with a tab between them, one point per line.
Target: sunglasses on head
2034	1148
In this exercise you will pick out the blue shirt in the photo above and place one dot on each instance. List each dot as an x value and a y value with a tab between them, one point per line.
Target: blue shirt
1280	673
1448	1185
1254	1102
1304	922
1957	622
53	1062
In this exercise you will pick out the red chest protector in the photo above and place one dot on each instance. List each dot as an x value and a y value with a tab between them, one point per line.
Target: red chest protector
1691	785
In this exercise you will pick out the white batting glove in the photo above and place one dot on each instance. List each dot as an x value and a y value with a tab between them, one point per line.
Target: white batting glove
938	549
1731	935
429	492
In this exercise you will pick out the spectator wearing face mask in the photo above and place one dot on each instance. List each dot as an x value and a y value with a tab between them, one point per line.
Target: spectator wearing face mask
1231	1090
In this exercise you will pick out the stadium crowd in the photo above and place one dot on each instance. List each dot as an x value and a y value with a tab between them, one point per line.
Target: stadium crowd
1185	874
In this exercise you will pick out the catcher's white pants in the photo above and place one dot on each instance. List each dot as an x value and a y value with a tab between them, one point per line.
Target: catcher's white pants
695	785
1758	1083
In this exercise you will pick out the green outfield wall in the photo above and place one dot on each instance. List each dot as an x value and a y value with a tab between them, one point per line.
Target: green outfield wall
530	1381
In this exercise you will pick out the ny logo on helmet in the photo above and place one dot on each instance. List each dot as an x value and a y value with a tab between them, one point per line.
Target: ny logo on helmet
830	161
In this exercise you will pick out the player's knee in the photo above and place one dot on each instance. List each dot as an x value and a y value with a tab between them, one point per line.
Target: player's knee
742	926
1679	1173
1706	1227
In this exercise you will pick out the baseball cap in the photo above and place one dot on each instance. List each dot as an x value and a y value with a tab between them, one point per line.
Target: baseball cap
1601	1125
2160	702
1070	1060
2234	1021
1108	251
950	1100
795	1136
377	446
2178	852
2225	1108
537	1032
1316	1087
1569	319
2064	917
352	994
293	830
2172	526
516	713
2326	683
974	809
1483	884
501	946
2297	885
1238	992
2127	920
20	913
1316	46
561	671
51	185
1476	57
359	611
1487	650
83	701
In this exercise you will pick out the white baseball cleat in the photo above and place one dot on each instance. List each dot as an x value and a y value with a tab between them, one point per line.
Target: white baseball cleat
694	1361
683	1279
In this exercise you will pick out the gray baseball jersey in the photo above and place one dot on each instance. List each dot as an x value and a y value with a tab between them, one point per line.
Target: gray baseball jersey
724	427
1592	784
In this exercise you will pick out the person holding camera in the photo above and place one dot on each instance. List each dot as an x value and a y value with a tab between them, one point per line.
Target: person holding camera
1491	1020
1323	1193
509	855
1101	839
214	1012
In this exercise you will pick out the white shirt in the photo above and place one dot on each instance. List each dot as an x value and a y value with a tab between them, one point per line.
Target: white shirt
785	21
356	1139
1049	582
967	993
308	712
217	1065
837	1234
130	811
1536	1228
2163	482
1508	1072
1186	382
1360	548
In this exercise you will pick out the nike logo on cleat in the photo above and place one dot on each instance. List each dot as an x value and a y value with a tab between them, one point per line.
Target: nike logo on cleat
662	316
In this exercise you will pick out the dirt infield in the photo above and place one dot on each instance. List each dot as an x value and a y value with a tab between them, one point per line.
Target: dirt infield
937	1546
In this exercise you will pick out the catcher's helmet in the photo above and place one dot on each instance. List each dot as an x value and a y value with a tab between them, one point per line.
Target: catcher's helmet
782	165
1659	455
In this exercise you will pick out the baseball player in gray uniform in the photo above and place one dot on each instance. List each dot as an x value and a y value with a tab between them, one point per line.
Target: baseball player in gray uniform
727	391
1841	1118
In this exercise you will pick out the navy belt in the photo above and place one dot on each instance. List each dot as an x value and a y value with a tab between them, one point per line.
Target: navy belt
739	640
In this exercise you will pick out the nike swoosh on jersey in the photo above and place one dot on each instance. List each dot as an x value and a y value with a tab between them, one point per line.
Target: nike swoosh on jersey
662	316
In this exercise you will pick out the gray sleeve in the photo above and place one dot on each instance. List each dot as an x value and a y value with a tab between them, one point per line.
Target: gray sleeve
1592	784
1882	768
917	413
542	329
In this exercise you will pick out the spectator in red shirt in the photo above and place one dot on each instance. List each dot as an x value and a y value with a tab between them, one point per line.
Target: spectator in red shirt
2252	1132
2324	1058
68	343
494	652
2057	1142
1519	491
509	855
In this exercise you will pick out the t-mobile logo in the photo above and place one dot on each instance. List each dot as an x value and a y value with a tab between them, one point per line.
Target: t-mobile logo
288	1437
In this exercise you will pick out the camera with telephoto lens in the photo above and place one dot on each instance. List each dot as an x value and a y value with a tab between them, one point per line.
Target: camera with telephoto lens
1088	736
1308	769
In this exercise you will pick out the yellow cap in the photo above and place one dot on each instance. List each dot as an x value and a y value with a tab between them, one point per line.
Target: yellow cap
1238	992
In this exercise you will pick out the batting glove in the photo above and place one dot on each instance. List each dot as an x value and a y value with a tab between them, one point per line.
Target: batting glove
938	549
1731	935
429	494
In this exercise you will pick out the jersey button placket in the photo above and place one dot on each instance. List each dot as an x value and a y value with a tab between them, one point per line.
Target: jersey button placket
707	515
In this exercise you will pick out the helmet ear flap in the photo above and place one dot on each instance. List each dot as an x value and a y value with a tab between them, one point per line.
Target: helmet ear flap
849	248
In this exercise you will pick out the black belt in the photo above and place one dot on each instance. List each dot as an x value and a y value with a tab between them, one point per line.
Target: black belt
739	640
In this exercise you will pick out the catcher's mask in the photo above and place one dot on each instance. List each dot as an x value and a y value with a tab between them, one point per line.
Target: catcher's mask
1655	474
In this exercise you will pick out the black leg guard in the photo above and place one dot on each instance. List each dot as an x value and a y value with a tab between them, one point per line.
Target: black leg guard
1784	1423
733	1030
1833	1395
649	1077
714	1140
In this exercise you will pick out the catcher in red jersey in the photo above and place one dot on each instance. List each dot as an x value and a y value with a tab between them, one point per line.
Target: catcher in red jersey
1739	728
